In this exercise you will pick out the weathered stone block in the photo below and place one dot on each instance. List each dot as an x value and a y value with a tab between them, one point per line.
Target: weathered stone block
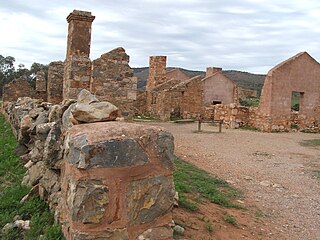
105	154
165	149
52	152
87	200
149	198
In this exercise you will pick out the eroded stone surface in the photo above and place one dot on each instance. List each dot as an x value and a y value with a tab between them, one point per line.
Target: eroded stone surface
108	154
165	149
87	200
149	198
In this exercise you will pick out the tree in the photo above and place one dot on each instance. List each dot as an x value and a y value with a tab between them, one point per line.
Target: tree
7	71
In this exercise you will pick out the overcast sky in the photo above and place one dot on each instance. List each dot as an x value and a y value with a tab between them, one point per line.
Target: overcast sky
246	35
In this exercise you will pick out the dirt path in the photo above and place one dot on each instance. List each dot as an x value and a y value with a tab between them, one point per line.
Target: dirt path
274	171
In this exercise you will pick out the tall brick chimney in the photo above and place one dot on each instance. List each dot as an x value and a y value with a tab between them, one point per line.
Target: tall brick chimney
77	69
212	70
157	71
79	32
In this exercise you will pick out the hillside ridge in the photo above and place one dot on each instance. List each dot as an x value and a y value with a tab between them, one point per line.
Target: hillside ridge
243	79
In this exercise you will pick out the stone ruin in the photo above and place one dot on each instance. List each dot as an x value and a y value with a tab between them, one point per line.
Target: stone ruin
174	94
299	74
15	89
113	80
103	179
109	77
55	82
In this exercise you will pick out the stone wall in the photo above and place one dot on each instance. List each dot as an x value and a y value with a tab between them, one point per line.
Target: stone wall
300	74
15	89
217	88
108	180
55	82
41	82
41	86
235	116
112	80
192	104
77	75
232	115
130	191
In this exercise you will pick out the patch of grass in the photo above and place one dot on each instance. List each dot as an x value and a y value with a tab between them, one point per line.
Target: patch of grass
209	227
317	174
311	143
246	127
309	131
192	181
145	118
250	102
11	192
231	220
259	214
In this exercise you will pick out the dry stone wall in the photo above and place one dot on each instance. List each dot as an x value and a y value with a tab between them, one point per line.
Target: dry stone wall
103	180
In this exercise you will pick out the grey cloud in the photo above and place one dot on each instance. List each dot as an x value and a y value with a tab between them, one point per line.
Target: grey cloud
236	34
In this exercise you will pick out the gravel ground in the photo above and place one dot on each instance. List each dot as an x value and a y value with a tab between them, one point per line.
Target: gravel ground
274	171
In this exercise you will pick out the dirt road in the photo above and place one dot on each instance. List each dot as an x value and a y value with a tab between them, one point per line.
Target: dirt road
276	173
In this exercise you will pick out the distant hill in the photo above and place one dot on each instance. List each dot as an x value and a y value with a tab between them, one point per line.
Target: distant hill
243	79
246	80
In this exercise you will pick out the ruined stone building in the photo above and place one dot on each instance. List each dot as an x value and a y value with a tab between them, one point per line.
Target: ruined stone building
109	77
15	89
175	94
296	79
298	75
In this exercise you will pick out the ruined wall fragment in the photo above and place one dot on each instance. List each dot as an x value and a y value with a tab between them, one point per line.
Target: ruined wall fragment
15	89
112	80
300	73
55	82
